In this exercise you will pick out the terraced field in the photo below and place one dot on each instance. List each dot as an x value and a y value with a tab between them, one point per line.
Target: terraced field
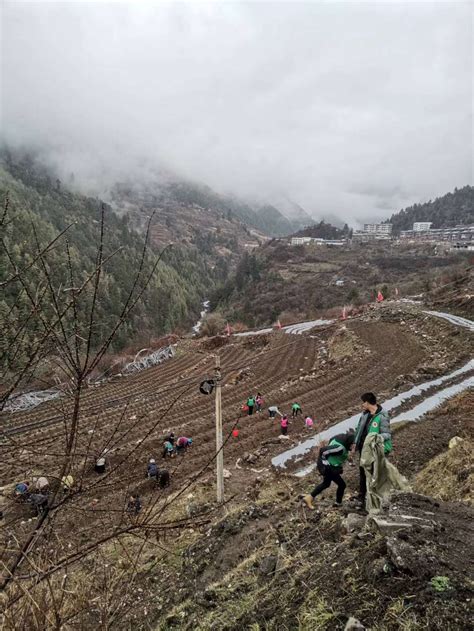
130	416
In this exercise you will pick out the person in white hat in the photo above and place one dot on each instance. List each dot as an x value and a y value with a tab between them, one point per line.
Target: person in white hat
152	469
41	484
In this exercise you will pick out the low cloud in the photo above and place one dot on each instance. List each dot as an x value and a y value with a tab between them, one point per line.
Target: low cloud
349	109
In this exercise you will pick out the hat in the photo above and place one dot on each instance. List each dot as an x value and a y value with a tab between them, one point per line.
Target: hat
152	461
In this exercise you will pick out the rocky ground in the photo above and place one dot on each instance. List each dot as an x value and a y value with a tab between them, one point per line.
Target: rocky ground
269	563
265	561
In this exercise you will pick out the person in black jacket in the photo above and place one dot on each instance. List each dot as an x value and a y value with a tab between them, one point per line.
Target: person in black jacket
152	469
330	462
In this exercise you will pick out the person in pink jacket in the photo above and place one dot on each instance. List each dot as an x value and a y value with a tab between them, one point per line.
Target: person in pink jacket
284	426
309	422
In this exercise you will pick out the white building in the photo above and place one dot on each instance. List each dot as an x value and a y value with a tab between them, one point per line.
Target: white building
378	228
300	240
422	226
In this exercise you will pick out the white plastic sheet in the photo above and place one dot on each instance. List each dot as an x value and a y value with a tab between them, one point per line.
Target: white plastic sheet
153	359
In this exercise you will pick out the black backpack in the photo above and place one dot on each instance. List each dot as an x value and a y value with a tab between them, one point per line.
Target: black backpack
319	462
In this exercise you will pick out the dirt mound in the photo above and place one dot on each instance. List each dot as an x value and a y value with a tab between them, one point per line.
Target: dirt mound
212	343
256	341
344	343
449	476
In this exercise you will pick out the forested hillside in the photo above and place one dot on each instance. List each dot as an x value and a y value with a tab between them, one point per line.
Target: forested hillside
448	210
323	230
39	209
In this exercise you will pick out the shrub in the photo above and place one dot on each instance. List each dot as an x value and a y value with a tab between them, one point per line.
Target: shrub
212	324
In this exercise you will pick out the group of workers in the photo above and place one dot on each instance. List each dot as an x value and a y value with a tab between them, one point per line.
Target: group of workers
37	491
173	446
161	476
372	441
296	410
253	404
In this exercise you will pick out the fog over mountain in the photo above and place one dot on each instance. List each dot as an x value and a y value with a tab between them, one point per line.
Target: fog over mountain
349	110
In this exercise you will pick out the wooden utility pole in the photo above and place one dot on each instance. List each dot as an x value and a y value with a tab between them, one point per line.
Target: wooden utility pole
219	450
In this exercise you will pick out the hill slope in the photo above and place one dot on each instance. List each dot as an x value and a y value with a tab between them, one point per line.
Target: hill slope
182	204
39	204
299	282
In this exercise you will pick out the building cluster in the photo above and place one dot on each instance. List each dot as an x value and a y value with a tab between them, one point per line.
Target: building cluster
308	240
461	236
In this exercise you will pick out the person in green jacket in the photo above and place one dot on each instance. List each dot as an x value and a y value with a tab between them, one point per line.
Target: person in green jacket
374	420
330	462
251	404
295	410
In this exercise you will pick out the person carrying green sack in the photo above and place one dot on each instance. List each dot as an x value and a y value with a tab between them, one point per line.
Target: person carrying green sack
374	420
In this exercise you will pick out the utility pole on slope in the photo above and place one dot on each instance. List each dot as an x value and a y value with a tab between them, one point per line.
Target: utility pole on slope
219	450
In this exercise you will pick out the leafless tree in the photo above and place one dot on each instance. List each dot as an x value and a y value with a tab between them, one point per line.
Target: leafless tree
43	559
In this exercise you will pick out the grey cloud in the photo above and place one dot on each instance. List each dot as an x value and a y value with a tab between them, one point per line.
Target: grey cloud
349	109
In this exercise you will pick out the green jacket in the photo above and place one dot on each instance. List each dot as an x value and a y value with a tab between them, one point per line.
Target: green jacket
250	402
334	454
378	424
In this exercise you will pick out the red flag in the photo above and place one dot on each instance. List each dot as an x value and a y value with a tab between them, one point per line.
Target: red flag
228	330
396	291
235	433
379	297
344	314
278	325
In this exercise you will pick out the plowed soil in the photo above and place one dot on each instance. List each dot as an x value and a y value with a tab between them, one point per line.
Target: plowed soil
131	415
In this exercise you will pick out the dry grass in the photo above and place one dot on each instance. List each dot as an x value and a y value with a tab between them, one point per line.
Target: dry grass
449	476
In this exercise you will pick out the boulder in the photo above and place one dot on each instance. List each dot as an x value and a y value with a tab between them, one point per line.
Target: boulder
379	568
388	525
268	565
456	440
353	523
402	555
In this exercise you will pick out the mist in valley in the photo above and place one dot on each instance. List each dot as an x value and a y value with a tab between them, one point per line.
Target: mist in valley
349	110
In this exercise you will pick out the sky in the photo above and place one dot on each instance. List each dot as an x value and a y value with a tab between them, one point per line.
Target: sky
351	109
